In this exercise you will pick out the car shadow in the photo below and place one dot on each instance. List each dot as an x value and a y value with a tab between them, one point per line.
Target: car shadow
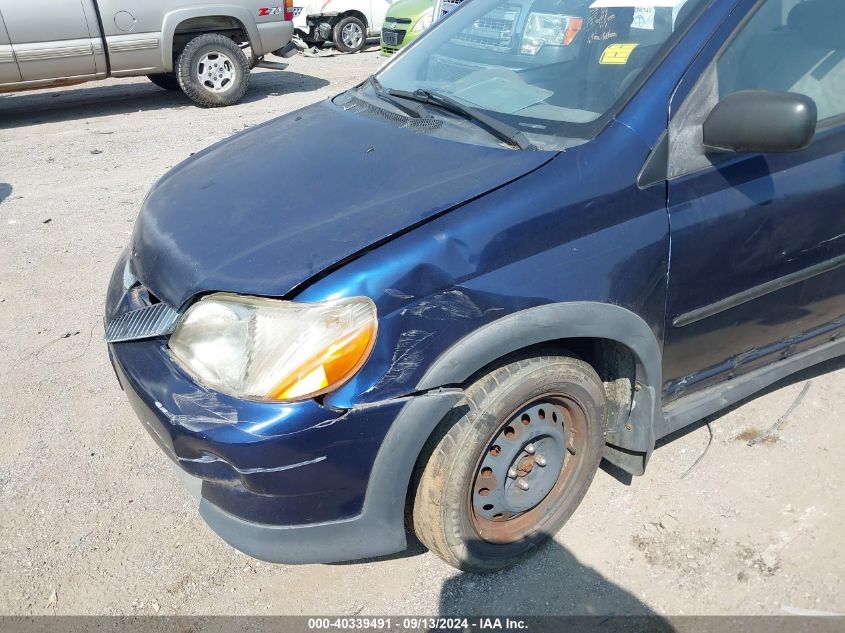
93	100
550	582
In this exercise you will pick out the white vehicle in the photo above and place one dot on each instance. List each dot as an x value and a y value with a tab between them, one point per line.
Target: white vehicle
346	23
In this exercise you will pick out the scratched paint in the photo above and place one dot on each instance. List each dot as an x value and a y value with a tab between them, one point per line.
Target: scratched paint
452	304
199	411
213	459
407	356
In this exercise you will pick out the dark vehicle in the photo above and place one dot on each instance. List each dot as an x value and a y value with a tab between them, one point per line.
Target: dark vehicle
490	276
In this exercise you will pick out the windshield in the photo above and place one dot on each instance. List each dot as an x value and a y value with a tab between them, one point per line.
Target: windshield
545	67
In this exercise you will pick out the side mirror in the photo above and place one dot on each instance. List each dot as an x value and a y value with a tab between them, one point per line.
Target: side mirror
760	121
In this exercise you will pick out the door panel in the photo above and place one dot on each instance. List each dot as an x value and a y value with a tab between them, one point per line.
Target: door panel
51	38
133	33
9	72
758	241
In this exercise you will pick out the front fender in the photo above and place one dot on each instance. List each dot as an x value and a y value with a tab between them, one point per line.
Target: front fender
556	321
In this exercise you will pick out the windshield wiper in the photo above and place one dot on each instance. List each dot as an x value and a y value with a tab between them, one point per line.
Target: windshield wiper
499	129
381	93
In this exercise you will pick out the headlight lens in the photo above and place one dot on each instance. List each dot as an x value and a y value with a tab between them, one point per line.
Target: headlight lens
424	22
266	349
549	29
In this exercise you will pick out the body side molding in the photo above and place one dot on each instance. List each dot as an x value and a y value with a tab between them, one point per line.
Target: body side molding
700	404
693	316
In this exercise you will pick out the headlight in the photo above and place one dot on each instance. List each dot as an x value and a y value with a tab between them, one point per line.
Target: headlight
266	349
424	22
549	29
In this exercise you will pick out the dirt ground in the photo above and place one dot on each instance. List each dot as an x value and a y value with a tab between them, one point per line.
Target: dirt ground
93	519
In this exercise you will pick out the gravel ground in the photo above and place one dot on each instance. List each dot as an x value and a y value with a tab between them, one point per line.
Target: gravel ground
95	521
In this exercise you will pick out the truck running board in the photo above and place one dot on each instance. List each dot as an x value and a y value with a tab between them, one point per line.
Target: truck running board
272	65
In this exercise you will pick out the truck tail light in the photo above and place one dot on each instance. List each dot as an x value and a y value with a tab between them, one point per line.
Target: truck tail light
288	10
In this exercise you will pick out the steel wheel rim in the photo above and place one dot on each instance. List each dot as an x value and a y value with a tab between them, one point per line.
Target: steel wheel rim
216	71
519	513
352	35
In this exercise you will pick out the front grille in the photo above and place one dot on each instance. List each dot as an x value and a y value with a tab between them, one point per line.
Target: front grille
389	20
494	31
154	320
392	37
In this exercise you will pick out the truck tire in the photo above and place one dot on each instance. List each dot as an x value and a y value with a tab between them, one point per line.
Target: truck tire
166	81
213	71
510	463
349	34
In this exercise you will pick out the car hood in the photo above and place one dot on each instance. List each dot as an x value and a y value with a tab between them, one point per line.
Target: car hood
409	9
265	210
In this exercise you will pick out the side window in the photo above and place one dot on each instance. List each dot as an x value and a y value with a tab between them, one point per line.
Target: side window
790	46
787	46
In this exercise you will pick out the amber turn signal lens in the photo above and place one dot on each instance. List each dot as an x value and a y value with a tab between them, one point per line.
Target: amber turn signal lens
329	368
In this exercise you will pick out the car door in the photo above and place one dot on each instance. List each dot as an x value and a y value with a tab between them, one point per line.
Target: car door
758	241
51	38
9	72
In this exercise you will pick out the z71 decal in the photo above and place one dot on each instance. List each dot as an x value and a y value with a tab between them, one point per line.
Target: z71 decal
264	11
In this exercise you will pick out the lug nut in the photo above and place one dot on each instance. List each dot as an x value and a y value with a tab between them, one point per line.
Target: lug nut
523	485
540	460
530	449
512	473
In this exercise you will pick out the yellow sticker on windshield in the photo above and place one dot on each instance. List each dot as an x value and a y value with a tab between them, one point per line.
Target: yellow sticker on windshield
617	53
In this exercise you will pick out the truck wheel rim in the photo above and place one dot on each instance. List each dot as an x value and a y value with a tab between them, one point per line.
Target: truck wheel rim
522	475
216	71
352	35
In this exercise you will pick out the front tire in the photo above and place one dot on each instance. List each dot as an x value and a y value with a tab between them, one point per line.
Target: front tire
510	464
349	34
213	71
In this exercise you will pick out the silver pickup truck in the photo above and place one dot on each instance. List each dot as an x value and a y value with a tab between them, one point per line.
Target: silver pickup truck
203	47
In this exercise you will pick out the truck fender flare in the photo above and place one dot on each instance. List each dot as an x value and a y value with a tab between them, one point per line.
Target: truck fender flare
173	19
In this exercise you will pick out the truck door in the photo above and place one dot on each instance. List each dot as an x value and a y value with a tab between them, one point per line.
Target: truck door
51	38
9	72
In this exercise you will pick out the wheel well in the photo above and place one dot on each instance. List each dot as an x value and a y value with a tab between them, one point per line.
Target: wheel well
354	14
223	24
615	364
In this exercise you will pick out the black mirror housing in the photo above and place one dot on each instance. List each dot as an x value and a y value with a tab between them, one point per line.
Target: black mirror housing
761	121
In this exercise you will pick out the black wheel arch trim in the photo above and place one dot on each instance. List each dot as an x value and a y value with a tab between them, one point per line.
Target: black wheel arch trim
555	321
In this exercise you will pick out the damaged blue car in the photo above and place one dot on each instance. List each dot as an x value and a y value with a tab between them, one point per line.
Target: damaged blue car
547	233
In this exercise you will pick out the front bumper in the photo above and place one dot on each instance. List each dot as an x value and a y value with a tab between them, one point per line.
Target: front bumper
283	482
286	483
271	463
394	39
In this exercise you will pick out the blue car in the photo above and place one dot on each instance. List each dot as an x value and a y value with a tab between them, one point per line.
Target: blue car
503	262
